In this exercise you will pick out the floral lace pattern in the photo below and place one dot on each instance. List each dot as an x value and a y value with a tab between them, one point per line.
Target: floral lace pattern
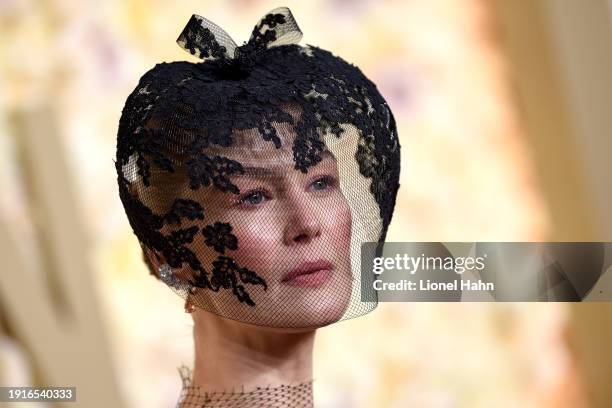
180	109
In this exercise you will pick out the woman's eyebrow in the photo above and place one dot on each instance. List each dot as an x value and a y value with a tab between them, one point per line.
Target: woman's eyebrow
257	171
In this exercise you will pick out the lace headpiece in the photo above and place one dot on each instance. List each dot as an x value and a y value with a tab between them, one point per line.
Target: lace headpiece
255	174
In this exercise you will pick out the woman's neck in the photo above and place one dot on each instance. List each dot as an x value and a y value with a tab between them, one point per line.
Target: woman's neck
231	356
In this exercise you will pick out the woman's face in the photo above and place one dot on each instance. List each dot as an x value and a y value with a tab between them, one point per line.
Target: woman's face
292	228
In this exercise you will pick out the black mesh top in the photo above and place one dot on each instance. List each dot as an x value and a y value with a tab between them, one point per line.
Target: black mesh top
255	174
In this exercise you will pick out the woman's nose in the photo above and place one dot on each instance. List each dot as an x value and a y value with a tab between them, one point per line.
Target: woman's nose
303	223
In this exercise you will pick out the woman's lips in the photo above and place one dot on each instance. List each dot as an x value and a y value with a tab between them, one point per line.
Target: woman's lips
309	273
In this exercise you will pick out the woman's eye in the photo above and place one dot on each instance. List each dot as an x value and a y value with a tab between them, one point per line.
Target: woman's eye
256	197
322	183
253	198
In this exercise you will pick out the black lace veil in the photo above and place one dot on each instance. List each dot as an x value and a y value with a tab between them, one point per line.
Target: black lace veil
255	174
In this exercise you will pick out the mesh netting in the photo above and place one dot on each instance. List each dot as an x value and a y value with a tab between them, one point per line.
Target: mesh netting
297	395
255	176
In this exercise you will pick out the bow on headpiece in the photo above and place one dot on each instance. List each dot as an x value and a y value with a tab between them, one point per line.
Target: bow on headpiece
206	40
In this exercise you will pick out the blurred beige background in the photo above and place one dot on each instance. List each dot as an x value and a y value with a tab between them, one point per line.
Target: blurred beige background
503	114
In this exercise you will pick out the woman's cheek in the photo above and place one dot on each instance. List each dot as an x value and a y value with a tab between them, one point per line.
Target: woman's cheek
341	218
252	238
255	244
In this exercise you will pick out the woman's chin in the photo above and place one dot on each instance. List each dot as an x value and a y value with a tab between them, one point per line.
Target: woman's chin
289	307
321	317
302	316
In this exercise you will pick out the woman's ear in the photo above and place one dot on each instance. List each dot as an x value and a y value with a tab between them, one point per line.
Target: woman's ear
152	258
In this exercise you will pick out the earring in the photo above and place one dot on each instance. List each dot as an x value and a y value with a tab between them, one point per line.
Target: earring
166	275
189	307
